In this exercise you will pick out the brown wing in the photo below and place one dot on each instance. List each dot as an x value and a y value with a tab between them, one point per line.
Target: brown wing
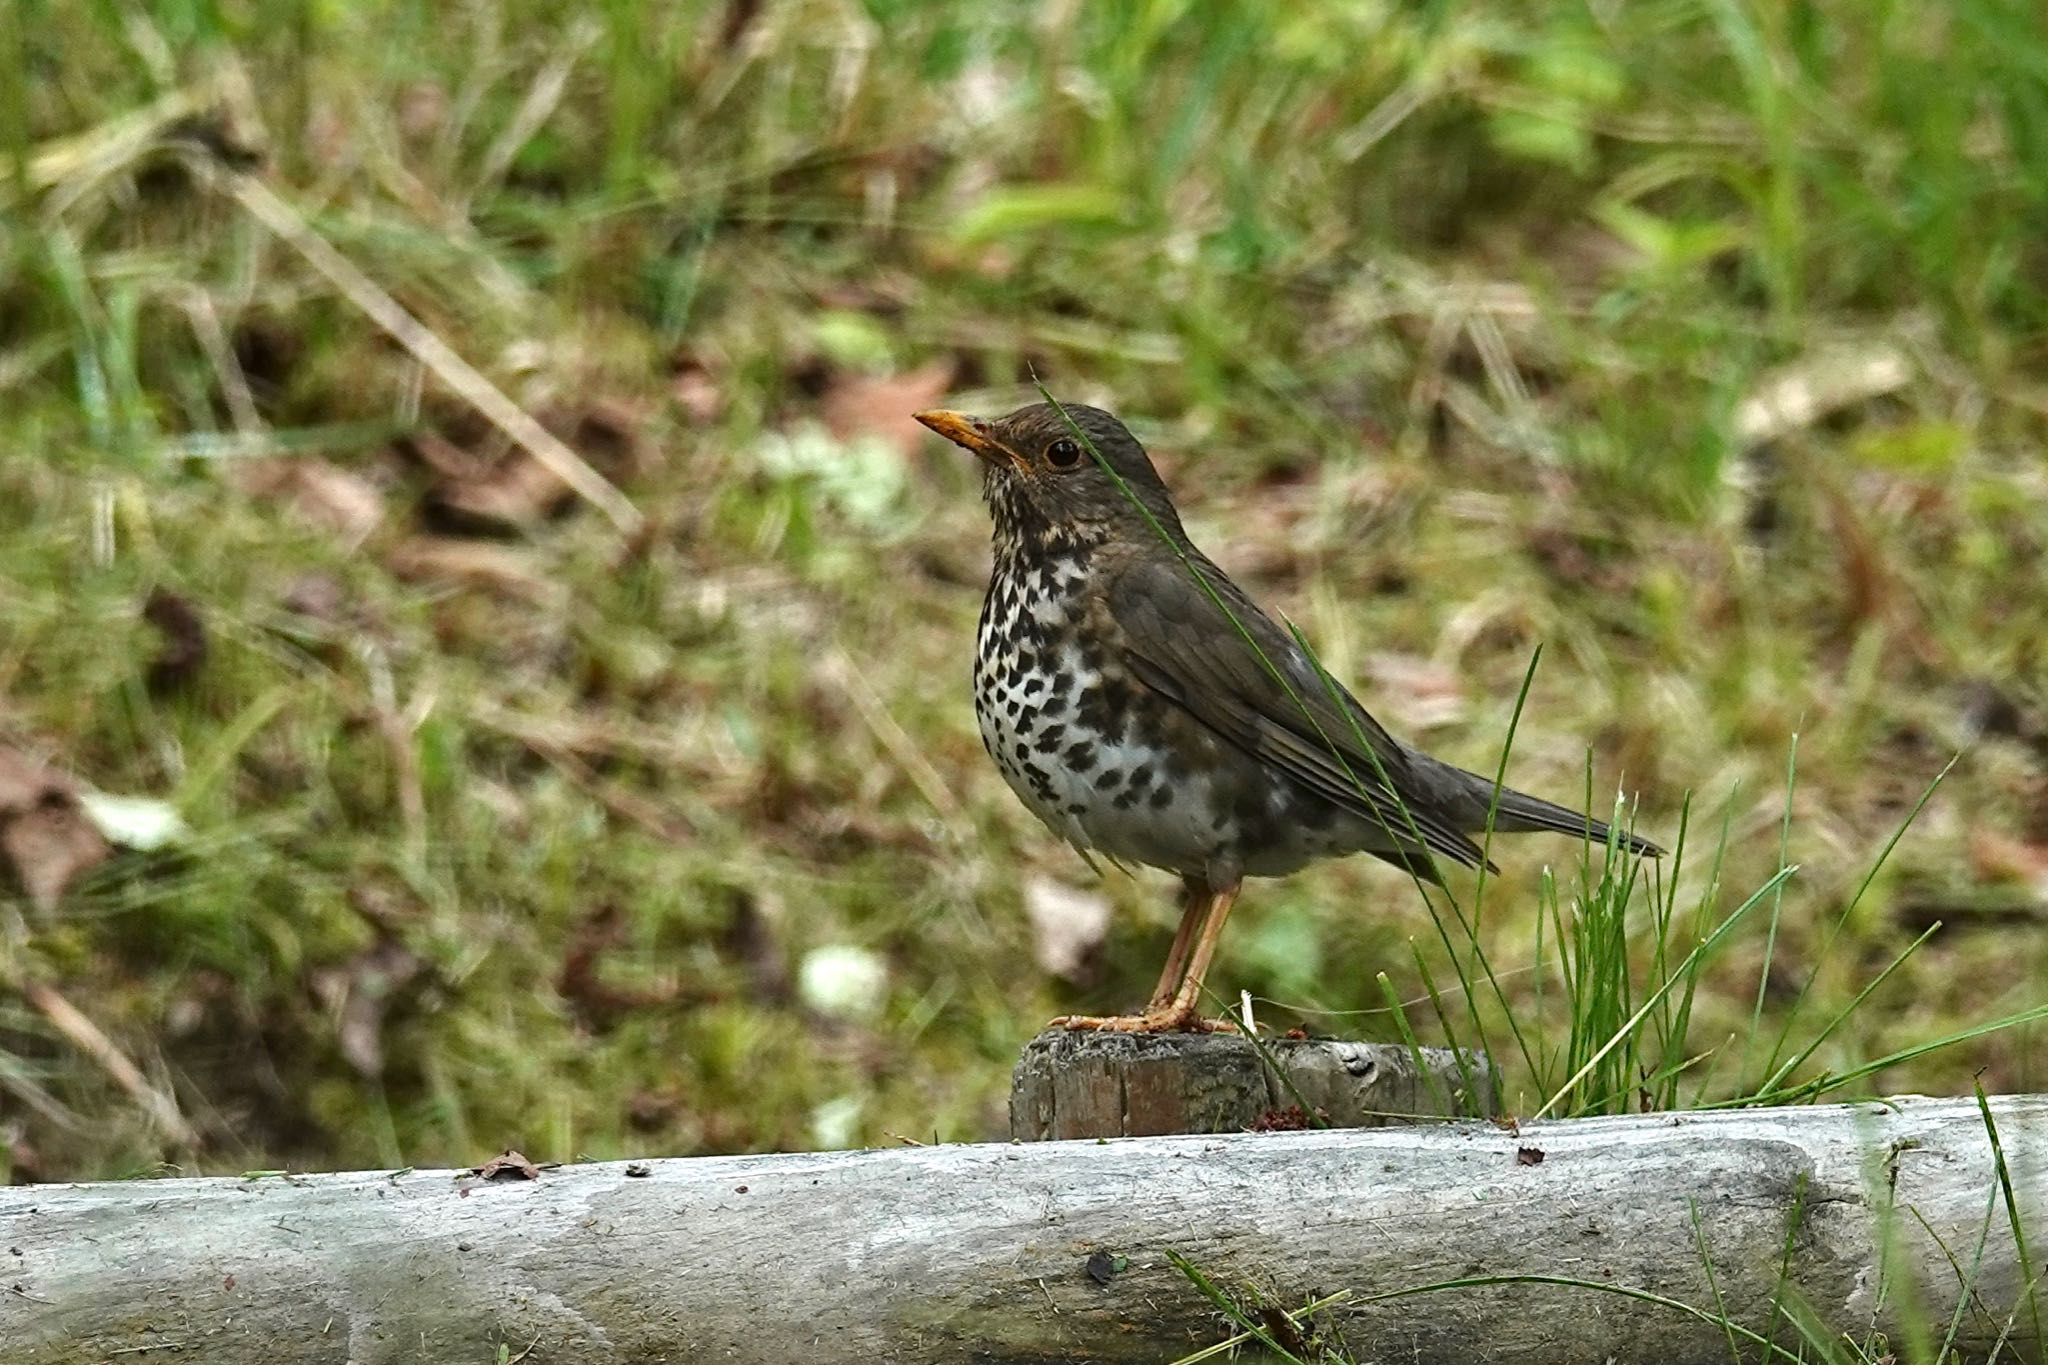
1182	644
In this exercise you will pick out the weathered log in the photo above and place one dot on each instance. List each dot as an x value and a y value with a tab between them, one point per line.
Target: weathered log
1093	1085
985	1253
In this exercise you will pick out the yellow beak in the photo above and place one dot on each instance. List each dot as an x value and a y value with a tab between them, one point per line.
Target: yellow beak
971	434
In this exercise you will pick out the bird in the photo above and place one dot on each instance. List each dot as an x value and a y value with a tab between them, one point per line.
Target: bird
1144	708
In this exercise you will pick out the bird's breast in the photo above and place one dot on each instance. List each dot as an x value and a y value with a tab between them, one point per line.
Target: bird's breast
1103	760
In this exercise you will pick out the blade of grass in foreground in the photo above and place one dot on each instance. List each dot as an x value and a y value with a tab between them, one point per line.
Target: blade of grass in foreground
1771	1350
2012	1211
1700	951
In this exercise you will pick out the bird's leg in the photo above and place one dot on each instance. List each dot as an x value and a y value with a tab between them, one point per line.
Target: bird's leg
1207	907
1188	998
1194	906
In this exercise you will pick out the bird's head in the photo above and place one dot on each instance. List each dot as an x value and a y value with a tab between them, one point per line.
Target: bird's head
1040	478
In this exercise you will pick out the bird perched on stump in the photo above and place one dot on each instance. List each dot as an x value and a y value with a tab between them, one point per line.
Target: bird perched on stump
1143	707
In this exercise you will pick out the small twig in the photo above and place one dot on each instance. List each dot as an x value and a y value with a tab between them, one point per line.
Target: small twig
265	206
87	1037
892	737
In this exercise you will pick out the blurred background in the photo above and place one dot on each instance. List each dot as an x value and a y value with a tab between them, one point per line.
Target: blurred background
484	652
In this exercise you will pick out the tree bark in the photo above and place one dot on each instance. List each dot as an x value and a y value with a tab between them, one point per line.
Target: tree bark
1072	1084
1058	1251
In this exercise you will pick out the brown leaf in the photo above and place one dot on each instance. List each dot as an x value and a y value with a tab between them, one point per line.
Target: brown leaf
361	993
856	405
1528	1156
328	496
501	568
596	1001
1996	857
184	649
507	1165
45	835
517	492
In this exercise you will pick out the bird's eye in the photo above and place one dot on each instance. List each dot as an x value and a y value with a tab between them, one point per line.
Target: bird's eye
1063	454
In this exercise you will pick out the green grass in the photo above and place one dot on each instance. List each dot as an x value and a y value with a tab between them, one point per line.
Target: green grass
1442	320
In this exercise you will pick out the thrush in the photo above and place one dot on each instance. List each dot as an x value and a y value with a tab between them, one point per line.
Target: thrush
1144	708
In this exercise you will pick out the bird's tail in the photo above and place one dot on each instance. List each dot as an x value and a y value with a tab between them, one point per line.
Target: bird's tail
1520	813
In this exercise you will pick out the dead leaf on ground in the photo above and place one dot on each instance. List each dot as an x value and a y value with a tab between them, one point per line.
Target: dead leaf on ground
503	569
45	834
1067	926
696	388
184	647
326	495
362	993
1420	692
1528	1156
507	1165
856	405
316	596
514	492
596	1001
1996	857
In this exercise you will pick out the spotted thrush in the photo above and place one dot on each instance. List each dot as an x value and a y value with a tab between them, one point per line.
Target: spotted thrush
1144	708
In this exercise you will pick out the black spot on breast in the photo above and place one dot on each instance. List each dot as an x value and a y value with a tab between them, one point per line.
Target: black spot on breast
1080	754
1108	779
1162	798
1141	777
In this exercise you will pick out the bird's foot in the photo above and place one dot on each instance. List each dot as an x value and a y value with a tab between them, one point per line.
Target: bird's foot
1158	1019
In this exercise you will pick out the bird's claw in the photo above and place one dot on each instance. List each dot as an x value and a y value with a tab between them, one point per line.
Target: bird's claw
1166	1020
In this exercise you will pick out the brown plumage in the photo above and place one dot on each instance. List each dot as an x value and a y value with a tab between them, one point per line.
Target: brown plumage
1143	707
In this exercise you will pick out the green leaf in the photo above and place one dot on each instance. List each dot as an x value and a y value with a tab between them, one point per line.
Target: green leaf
1011	210
1923	447
1538	137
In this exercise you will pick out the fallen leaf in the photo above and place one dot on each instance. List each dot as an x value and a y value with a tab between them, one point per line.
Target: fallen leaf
1420	692
507	1165
1067	926
501	568
856	405
1528	1156
1103	1266
316	596
184	647
596	1001
1996	857
45	833
516	492
328	496
364	992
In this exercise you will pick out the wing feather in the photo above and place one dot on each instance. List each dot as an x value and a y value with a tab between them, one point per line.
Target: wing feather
1181	644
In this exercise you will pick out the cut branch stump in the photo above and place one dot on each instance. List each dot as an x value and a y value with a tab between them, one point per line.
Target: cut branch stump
1072	1084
